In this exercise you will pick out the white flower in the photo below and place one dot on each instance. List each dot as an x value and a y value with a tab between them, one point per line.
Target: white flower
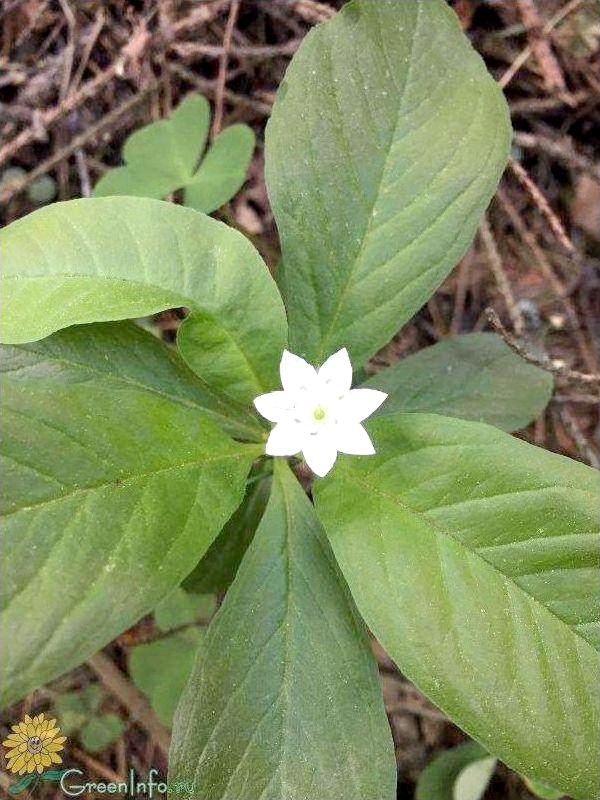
317	412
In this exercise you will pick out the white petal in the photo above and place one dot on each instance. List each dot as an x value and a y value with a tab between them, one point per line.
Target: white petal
336	372
296	373
354	439
359	404
274	406
319	453
286	439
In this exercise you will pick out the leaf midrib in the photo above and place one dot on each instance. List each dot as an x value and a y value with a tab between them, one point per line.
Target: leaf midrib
369	219
124	481
441	532
221	400
287	636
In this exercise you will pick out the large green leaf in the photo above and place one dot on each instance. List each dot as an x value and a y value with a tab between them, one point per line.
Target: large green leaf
476	376
473	559
284	699
116	257
122	355
385	145
111	493
163	157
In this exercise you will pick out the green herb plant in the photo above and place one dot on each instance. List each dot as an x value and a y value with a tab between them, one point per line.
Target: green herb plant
80	716
464	773
168	155
468	553
161	668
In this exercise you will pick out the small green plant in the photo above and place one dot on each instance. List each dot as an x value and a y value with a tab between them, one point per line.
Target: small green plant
41	191
167	155
162	667
79	714
468	553
464	773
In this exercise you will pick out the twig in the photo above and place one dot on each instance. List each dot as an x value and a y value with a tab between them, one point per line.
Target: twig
84	173
5	781
88	47
312	11
426	713
202	622
495	262
75	144
540	361
46	118
562	150
538	105
547	269
139	708
223	63
97	766
69	49
462	278
543	205
191	49
526	53
586	399
198	16
207	86
540	46
570	424
437	318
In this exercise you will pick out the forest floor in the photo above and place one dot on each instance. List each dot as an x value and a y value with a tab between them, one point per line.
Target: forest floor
76	78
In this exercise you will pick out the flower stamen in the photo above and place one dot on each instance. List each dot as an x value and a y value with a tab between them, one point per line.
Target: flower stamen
319	413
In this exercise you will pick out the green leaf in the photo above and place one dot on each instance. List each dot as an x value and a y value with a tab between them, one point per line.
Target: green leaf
437	780
218	567
43	190
18	787
473	779
181	607
73	709
385	145
117	257
102	731
53	774
72	712
110	495
223	170
161	669
542	790
476	377
123	356
284	699
473	559
163	157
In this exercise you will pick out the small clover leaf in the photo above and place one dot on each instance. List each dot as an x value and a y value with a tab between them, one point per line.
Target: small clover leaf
163	157
79	714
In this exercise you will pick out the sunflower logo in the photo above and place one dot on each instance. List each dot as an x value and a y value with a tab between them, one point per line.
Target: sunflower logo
33	745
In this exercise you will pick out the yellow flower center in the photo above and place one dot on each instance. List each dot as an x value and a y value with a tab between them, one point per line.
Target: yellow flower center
319	413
